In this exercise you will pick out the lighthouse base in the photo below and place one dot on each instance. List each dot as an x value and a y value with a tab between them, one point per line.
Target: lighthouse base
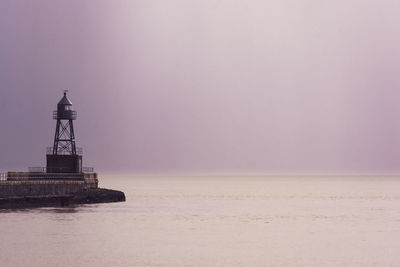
64	163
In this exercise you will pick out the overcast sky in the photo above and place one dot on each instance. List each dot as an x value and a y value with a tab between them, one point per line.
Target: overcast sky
205	86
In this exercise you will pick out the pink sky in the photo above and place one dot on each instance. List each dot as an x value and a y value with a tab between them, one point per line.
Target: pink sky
205	86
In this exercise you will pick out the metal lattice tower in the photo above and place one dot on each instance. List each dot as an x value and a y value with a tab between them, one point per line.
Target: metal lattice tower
64	139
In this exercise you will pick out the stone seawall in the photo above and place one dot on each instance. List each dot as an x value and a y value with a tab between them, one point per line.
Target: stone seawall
98	195
43	188
30	189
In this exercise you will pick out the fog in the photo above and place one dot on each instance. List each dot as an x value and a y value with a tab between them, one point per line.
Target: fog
227	86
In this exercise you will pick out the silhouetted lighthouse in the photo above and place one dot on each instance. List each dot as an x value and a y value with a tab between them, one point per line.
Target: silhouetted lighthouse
64	157
64	181
64	139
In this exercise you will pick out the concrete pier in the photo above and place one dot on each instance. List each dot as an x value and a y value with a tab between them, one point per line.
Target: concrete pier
35	189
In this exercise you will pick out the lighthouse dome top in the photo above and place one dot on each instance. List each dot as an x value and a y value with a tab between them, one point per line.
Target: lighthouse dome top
64	109
65	100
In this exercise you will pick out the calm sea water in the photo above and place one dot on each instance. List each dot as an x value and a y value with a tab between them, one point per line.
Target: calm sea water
215	221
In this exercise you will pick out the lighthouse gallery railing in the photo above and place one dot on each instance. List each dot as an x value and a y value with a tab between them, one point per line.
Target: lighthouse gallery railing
49	151
44	169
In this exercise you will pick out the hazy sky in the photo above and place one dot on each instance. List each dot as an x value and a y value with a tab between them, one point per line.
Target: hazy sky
205	86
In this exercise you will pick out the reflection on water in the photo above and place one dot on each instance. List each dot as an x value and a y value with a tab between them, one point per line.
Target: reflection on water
72	209
215	221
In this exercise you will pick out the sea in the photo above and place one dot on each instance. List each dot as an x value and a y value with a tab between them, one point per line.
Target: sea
215	221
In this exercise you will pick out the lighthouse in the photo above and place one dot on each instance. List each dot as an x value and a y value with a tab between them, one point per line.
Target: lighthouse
64	156
63	181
